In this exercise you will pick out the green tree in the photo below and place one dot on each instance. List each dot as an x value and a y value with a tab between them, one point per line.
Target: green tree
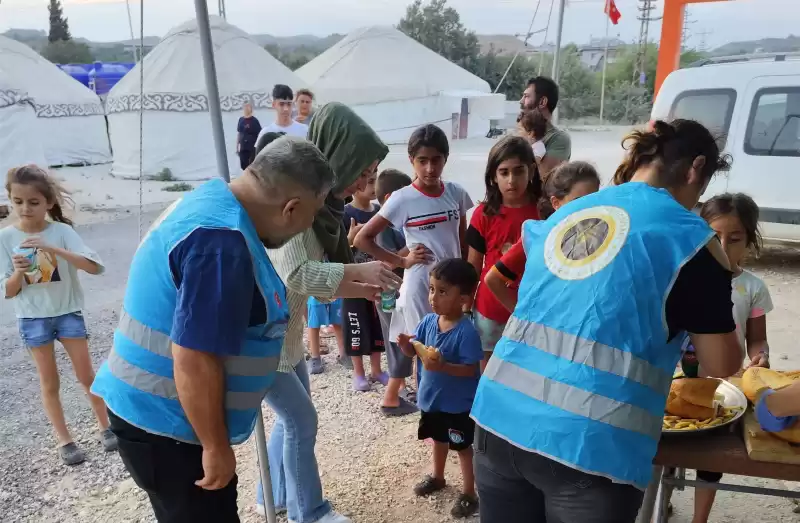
691	56
59	27
68	52
439	28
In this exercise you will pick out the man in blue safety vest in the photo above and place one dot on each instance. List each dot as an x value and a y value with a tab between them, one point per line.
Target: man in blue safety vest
201	329
569	410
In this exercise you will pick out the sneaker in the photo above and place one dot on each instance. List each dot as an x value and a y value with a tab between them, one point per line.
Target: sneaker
71	454
331	517
428	486
262	510
360	384
381	378
109	440
465	506
316	366
345	362
403	409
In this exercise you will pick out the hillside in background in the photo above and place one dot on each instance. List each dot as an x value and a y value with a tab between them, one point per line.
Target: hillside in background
765	45
310	45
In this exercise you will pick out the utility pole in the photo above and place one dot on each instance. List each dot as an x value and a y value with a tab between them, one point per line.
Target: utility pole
686	33
221	7
703	45
645	8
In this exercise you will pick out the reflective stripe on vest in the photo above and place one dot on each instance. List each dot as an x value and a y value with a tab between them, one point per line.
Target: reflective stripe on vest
594	354
160	344
574	400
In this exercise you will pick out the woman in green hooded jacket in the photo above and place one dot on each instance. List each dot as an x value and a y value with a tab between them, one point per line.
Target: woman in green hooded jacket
319	263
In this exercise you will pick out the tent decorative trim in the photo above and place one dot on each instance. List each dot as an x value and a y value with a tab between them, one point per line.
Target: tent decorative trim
59	110
186	103
13	97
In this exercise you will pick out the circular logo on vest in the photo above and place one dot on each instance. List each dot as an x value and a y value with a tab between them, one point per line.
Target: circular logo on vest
585	242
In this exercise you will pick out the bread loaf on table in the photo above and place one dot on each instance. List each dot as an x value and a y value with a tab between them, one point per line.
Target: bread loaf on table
756	380
693	398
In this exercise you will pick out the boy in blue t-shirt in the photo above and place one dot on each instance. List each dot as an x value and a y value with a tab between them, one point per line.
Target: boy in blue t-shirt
448	383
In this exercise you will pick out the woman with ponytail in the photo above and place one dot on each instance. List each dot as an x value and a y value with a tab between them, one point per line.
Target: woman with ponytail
613	285
39	263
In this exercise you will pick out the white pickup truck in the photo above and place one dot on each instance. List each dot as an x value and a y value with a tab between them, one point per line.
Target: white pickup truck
753	103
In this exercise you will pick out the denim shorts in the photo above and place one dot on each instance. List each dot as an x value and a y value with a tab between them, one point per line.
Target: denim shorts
36	332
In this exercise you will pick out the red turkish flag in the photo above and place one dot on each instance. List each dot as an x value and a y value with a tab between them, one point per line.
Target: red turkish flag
612	11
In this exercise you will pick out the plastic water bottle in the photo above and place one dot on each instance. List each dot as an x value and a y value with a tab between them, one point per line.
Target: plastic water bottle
388	300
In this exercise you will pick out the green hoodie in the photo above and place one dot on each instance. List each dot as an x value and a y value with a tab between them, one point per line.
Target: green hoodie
350	145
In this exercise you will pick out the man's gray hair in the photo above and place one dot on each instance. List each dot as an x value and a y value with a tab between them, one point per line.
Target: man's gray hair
296	160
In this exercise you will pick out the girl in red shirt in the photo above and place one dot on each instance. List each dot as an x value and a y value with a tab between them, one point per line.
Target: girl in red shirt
513	188
568	182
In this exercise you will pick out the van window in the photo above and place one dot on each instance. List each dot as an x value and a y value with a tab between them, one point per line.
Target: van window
774	125
711	107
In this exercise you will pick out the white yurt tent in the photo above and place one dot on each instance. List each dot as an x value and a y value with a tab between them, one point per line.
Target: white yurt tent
397	84
20	142
71	125
177	125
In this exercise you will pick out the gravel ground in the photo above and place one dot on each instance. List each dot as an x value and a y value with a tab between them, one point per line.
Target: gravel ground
369	464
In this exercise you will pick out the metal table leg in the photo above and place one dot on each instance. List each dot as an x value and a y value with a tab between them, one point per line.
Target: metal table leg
649	500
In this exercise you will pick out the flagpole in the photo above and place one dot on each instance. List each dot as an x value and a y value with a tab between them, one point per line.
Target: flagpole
605	67
560	26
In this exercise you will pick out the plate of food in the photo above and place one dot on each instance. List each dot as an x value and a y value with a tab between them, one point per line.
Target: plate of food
701	404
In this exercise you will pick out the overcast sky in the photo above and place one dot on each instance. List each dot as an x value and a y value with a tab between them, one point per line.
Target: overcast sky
106	20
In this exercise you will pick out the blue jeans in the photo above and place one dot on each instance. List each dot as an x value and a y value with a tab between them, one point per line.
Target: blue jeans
292	463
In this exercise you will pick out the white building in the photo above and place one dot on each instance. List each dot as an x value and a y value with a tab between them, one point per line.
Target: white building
70	123
396	84
177	125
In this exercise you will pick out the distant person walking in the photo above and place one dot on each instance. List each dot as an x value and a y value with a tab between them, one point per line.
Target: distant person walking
247	132
39	263
201	330
542	94
283	103
303	106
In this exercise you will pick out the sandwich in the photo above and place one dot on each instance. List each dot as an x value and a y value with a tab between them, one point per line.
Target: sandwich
425	352
693	398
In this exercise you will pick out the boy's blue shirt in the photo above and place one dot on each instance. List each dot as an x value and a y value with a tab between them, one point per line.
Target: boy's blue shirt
441	392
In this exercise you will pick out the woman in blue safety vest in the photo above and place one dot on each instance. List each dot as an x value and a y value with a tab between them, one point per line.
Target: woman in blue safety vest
569	409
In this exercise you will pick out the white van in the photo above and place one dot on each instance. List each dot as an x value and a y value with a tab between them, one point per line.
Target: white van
754	104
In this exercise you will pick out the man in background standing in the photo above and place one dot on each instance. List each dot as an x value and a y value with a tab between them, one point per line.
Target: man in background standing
283	103
542	93
303	108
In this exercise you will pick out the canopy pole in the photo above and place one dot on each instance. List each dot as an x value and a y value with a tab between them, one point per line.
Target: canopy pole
210	69
263	469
